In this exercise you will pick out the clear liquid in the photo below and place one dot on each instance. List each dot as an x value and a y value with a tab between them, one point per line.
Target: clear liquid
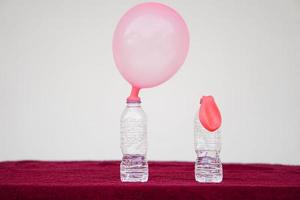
208	167
134	168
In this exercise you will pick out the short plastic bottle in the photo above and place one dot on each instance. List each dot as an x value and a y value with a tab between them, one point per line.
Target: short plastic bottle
208	166
134	165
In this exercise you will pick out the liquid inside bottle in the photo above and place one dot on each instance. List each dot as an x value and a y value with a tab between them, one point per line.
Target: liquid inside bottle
208	167
134	165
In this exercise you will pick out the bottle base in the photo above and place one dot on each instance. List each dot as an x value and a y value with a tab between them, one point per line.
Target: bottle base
134	168
208	167
201	179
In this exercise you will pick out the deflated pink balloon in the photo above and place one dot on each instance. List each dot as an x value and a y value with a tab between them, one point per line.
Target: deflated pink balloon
150	44
209	114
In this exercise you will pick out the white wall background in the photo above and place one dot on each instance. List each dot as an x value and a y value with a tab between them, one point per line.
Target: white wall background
61	95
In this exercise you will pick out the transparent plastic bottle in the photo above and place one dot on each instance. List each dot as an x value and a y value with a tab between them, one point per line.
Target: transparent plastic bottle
208	166
134	165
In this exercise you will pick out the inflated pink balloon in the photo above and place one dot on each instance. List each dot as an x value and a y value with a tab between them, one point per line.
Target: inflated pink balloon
150	44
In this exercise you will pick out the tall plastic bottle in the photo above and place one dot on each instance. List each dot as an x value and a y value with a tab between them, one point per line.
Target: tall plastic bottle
134	165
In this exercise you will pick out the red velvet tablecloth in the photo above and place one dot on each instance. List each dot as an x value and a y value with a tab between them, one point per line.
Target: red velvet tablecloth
168	180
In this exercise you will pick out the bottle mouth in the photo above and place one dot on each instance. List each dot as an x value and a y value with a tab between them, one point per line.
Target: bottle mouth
133	101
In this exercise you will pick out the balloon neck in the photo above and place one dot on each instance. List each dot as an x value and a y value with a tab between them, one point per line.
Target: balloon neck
134	95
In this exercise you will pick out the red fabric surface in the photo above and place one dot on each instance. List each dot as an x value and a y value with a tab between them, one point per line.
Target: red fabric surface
168	180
